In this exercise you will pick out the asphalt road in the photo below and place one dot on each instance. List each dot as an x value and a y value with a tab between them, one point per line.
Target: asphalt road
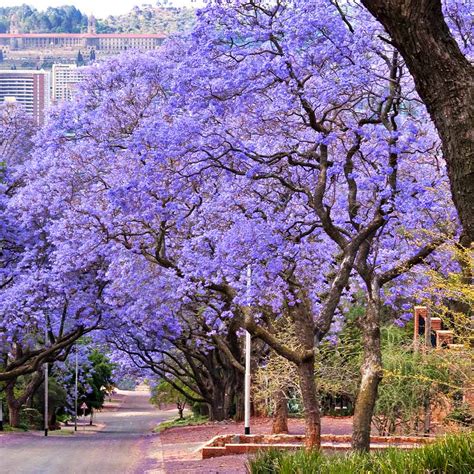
123	446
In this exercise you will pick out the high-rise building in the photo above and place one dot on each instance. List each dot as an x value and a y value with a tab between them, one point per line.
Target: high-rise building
64	79
29	88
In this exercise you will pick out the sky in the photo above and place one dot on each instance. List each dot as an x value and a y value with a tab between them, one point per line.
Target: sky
99	8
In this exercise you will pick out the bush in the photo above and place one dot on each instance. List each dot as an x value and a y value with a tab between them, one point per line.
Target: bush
462	415
64	417
30	418
451	455
413	381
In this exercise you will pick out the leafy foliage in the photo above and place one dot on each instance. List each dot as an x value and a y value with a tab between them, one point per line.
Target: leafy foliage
149	19
65	19
69	19
164	392
452	455
413	380
98	379
462	414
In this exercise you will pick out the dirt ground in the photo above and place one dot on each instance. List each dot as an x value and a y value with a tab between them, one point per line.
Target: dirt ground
181	445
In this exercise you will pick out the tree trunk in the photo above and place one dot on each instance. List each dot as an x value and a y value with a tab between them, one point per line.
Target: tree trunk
12	404
239	404
13	413
312	415
302	315
280	414
53	421
229	395
371	371
444	79
216	406
216	412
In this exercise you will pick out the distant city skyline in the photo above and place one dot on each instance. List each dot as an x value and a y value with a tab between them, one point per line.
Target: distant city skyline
99	9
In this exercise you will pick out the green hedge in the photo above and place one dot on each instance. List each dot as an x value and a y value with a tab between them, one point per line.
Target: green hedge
450	455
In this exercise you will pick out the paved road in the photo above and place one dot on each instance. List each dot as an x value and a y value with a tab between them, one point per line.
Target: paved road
123	446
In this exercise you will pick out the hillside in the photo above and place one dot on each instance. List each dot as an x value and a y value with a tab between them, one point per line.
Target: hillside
68	19
149	19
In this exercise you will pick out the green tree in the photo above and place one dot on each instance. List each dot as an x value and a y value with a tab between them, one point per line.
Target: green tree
99	380
56	401
164	392
80	59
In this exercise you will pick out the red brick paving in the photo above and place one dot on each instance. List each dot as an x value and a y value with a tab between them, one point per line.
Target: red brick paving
181	445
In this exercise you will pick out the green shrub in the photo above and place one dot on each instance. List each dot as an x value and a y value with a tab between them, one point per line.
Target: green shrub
413	380
462	415
64	417
450	455
31	418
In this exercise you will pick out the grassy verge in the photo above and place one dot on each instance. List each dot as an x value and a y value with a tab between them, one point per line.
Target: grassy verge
186	421
63	432
450	455
10	429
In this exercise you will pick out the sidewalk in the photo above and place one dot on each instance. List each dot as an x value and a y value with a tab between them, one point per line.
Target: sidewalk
181	446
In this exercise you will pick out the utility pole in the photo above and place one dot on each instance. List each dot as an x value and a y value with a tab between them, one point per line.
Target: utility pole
46	391
248	342
76	378
46	394
1	415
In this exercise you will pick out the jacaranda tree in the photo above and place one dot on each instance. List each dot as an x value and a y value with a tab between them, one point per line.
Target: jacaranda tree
270	165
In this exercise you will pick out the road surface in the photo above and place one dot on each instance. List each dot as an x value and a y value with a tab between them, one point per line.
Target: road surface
123	446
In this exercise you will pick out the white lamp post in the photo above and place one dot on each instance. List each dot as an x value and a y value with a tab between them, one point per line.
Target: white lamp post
46	391
76	377
248	342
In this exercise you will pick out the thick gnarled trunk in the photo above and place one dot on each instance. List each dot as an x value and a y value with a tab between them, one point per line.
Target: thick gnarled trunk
13	409
216	405
304	328
15	403
312	414
371	372
444	79
280	414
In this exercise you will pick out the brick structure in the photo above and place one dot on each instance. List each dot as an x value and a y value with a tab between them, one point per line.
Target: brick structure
444	338
421	316
431	329
223	445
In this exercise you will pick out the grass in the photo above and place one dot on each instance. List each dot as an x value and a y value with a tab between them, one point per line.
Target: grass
192	420
61	433
450	455
10	429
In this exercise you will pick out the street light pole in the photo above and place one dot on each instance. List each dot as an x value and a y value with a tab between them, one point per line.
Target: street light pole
46	394
75	389
46	425
248	342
